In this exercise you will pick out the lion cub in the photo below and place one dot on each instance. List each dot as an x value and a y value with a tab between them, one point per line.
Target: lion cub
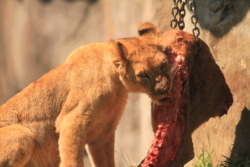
80	102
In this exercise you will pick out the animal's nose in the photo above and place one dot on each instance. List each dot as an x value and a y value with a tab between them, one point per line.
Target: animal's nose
162	85
158	79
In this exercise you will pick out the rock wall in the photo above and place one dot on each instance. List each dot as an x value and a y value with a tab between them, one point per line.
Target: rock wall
37	35
225	26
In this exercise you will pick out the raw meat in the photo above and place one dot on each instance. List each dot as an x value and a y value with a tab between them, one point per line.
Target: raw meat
199	92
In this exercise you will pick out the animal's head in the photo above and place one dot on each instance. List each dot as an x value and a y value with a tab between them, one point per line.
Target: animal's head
141	65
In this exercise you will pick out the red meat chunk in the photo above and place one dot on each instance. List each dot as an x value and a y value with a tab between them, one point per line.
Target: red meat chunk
199	92
168	117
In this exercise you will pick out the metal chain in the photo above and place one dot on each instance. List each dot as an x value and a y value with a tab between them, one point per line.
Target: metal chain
194	19
179	10
175	12
182	14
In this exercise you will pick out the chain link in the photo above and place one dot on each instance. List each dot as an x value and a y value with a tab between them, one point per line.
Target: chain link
182	14
194	19
178	10
175	12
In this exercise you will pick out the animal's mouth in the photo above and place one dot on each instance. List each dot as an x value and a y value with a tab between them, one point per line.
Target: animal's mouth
163	99
160	99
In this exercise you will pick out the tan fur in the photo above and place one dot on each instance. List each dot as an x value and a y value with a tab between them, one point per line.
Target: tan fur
80	102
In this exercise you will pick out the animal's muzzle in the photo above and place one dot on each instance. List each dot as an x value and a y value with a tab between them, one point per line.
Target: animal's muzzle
162	85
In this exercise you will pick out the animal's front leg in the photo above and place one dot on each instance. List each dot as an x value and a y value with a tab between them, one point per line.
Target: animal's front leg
72	139
102	151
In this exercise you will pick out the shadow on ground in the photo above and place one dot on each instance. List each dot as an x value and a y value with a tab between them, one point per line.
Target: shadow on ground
241	147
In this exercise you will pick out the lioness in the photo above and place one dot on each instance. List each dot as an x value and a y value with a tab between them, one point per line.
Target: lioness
80	102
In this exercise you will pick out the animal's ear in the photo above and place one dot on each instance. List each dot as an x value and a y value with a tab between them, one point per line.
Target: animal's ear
119	55
148	29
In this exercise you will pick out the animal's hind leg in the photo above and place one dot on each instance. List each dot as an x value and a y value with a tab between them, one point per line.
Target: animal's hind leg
16	146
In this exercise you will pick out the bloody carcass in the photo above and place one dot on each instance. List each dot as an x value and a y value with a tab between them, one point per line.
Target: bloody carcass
199	92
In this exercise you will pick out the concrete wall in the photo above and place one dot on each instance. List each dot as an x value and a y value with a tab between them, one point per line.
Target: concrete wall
37	35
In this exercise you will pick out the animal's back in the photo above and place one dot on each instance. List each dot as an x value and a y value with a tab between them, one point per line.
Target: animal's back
43	99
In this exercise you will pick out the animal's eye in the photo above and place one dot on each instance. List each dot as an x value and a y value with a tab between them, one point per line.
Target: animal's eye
142	75
163	65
